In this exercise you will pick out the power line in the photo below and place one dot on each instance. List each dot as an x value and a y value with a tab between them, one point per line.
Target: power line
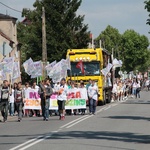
11	7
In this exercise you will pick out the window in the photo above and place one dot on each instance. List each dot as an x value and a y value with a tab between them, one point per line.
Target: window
90	69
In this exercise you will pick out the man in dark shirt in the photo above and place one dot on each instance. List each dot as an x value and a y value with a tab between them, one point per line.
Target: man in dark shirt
18	94
45	91
4	100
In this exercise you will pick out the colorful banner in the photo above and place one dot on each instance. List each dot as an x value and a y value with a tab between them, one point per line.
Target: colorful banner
75	100
32	99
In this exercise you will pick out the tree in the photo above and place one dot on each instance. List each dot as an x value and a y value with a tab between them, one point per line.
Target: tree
111	38
135	54
64	29
147	6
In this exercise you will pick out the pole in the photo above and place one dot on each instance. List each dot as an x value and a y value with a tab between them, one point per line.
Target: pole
44	48
113	68
100	43
92	41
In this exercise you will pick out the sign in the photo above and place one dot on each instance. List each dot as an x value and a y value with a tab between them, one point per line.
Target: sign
74	101
32	99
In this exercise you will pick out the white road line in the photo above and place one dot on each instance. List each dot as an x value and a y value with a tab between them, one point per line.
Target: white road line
78	121
114	105
107	107
38	141
73	121
14	148
101	109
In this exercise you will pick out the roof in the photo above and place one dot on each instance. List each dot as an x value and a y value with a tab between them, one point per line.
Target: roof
2	16
5	36
26	21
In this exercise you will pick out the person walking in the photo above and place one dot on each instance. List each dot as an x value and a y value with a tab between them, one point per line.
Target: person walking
62	97
11	102
45	92
134	87
147	84
4	100
93	97
41	93
18	94
25	90
138	89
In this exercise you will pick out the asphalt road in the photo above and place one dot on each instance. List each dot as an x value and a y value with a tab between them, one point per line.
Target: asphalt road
116	126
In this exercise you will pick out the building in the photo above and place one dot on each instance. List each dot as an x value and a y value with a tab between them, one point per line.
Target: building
8	37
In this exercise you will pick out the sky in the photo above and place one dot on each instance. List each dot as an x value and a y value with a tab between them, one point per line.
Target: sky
120	14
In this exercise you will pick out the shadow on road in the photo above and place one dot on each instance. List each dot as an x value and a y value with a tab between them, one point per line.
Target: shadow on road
129	117
104	135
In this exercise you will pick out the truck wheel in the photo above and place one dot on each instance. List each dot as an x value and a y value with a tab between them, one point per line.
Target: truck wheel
102	102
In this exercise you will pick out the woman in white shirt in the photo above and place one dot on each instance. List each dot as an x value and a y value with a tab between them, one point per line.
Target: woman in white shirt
83	91
11	102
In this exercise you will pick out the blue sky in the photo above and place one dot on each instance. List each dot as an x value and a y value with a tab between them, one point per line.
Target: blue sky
120	14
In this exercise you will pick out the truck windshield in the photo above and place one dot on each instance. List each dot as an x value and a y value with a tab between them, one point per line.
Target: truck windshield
90	69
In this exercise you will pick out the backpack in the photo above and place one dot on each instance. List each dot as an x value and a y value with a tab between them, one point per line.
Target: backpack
4	94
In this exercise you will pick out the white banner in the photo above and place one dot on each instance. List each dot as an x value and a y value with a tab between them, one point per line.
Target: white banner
117	63
16	70
106	70
50	66
28	66
38	69
75	100
58	71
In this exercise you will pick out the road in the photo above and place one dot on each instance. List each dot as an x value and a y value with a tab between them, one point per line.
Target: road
116	126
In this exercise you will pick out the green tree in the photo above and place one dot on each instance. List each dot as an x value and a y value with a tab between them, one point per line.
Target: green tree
64	28
147	7
111	38
135	54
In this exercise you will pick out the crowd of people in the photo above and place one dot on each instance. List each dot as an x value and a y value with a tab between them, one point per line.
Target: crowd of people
13	98
122	89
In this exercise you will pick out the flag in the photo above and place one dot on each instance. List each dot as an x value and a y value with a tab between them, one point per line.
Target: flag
106	70
16	70
80	66
28	66
50	66
38	69
117	63
8	64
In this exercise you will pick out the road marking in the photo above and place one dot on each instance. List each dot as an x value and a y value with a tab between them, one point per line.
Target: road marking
73	121
79	121
38	141
107	107
26	143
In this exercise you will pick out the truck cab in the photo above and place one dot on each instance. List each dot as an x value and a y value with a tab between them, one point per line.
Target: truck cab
93	60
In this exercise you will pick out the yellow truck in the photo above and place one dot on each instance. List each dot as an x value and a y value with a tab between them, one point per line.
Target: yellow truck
93	60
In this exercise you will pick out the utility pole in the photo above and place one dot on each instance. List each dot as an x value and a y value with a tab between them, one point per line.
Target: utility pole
44	48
